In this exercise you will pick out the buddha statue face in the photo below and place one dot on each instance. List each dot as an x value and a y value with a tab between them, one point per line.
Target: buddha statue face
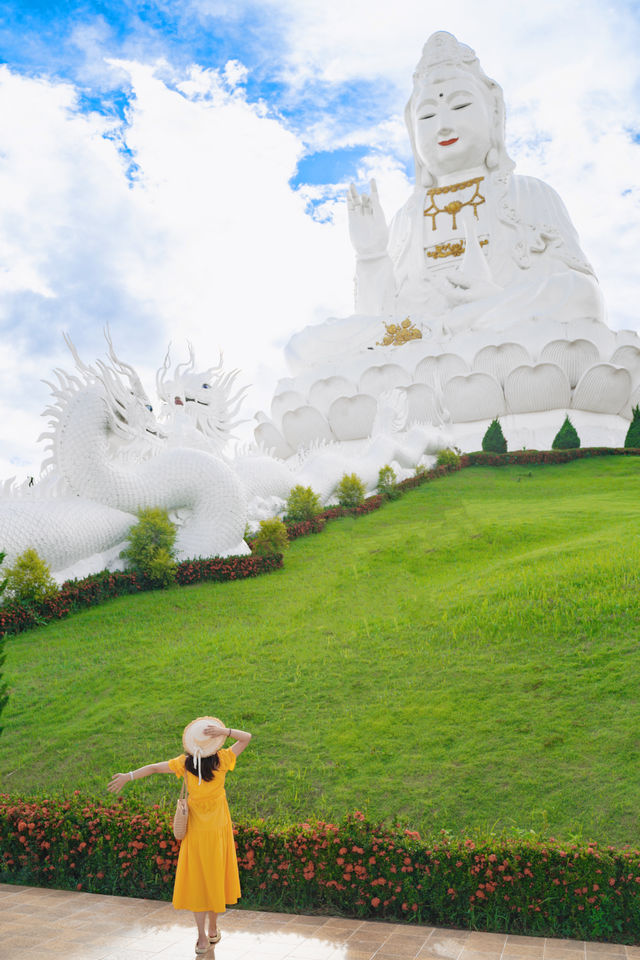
451	125
455	115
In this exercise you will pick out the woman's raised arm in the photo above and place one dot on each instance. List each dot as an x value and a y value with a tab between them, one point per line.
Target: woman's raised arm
120	780
241	737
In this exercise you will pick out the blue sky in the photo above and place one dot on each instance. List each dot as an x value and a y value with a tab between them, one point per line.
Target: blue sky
177	169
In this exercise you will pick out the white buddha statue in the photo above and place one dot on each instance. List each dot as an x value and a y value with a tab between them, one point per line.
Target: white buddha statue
475	247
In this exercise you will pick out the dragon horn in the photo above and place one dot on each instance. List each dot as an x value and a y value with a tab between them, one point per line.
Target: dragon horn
161	373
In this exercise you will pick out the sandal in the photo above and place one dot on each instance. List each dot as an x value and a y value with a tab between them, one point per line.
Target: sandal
201	950
215	938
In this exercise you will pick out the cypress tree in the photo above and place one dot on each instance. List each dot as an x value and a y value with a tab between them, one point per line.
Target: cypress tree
567	437
632	438
493	440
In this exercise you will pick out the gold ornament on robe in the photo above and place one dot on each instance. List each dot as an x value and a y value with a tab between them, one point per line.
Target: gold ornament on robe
454	207
454	249
399	333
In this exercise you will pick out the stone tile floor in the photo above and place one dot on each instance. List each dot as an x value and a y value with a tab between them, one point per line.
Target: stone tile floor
37	923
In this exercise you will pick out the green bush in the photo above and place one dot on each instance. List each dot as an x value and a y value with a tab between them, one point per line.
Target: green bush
632	439
350	491
493	440
302	504
448	458
567	437
271	538
151	547
29	579
386	486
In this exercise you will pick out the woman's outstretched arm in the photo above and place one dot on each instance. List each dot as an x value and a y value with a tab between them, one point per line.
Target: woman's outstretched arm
120	780
241	737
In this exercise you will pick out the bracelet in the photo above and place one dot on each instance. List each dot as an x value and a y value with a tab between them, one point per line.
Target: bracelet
229	731
131	774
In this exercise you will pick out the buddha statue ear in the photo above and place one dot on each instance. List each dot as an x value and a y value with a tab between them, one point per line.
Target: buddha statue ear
492	159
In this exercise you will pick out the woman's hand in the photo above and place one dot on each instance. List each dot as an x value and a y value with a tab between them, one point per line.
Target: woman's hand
367	225
117	782
213	730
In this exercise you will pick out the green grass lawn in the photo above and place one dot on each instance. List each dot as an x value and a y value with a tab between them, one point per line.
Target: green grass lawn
466	657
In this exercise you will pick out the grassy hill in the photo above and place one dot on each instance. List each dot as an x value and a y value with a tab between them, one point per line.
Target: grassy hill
466	657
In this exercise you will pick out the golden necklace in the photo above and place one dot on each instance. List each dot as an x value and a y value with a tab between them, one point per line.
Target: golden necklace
454	206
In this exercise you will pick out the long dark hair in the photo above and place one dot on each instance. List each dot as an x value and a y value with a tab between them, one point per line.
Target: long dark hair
208	765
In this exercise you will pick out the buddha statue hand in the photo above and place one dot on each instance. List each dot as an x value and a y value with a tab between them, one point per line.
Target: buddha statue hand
458	289
367	224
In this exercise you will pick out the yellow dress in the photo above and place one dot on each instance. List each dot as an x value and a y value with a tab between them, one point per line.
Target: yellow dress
207	874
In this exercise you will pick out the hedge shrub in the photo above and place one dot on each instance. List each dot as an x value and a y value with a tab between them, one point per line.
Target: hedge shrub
29	580
302	504
387	486
448	458
151	551
271	538
354	868
350	491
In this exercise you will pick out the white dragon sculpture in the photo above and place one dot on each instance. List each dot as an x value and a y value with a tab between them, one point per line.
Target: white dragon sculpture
108	457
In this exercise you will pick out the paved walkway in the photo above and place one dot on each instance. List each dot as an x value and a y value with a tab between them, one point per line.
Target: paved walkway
37	923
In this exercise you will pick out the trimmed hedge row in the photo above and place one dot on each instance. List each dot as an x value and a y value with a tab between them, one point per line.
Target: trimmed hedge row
525	457
353	868
79	594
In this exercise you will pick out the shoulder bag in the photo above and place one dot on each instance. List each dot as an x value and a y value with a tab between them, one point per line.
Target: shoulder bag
181	816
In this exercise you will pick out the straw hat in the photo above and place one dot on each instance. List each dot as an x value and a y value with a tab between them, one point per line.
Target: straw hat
196	742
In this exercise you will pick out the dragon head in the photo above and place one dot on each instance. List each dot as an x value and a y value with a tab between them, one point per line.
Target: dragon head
206	398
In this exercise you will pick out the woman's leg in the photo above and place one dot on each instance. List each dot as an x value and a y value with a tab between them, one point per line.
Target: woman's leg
213	923
203	940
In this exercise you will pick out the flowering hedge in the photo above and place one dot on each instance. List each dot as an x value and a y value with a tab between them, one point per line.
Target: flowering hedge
222	569
79	594
352	868
525	457
301	528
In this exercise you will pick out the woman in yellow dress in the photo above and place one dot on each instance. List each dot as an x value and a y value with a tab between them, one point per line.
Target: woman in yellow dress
207	874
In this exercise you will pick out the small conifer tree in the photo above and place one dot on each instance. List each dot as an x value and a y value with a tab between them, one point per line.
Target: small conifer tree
567	437
632	438
493	440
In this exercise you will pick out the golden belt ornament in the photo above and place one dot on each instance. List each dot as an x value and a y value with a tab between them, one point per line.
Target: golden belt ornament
454	249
